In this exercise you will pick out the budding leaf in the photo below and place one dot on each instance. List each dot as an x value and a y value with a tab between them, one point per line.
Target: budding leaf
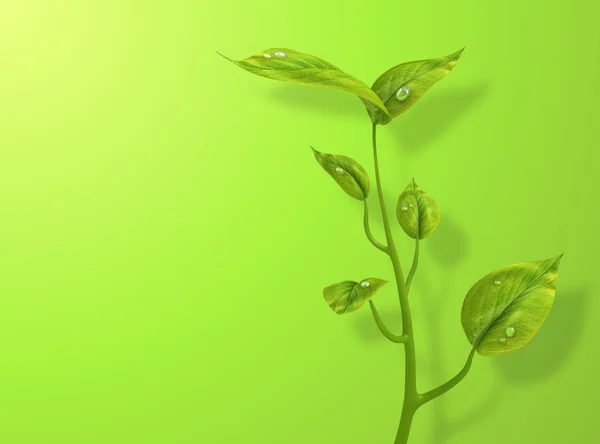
288	65
347	172
402	86
506	308
348	296
417	212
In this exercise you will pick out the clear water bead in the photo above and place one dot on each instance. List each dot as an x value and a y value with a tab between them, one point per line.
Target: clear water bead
510	331
410	205
403	93
339	170
502	339
404	208
497	282
365	284
267	55
280	53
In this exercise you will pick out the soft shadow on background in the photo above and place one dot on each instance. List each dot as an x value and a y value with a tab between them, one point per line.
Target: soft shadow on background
420	127
550	348
316	99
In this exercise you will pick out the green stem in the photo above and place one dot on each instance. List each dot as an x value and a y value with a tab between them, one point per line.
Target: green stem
368	231
411	397
382	328
413	269
437	392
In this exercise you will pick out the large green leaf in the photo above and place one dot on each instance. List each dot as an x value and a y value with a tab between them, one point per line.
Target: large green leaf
288	65
417	212
348	296
347	172
506	308
402	86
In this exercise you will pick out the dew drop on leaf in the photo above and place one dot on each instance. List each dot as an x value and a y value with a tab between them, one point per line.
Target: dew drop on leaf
510	331
404	208
497	282
365	284
339	170
402	94
502	339
280	53
267	55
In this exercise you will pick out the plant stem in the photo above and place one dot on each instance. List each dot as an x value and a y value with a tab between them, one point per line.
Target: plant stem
437	392
413	269
368	231
411	397
382	328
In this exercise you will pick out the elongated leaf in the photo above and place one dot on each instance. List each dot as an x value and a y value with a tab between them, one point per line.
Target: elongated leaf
417	212
402	86
348	296
347	172
506	308
288	65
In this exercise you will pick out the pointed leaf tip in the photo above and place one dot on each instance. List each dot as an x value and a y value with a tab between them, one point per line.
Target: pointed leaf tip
287	65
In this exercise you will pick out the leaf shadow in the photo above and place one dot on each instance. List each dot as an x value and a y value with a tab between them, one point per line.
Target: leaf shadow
321	100
548	351
449	245
432	117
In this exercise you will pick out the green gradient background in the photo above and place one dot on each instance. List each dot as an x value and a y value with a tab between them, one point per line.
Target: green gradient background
166	233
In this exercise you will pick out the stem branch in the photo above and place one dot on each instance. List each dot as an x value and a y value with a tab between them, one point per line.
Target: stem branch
432	394
413	269
368	231
383	329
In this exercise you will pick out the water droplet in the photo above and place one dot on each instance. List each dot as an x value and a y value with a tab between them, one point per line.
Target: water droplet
502	339
403	93
280	53
404	208
497	282
339	170
510	331
410	205
365	284
267	55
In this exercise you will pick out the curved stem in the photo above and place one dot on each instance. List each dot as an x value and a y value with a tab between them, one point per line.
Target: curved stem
368	231
382	328
413	269
435	393
411	397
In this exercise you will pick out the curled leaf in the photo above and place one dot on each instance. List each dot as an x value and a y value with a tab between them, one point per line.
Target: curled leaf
347	172
417	212
348	296
402	86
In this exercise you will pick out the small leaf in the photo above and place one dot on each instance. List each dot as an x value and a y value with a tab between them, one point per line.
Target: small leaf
506	308
347	172
402	86
417	212
288	65
348	296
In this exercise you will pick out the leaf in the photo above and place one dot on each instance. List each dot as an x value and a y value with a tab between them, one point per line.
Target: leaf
288	65
506	308
348	296
417	76
347	172
417	212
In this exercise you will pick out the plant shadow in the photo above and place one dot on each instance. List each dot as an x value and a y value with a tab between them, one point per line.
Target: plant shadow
425	124
320	100
548	351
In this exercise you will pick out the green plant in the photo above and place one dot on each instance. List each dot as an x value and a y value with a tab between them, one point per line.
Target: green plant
501	312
